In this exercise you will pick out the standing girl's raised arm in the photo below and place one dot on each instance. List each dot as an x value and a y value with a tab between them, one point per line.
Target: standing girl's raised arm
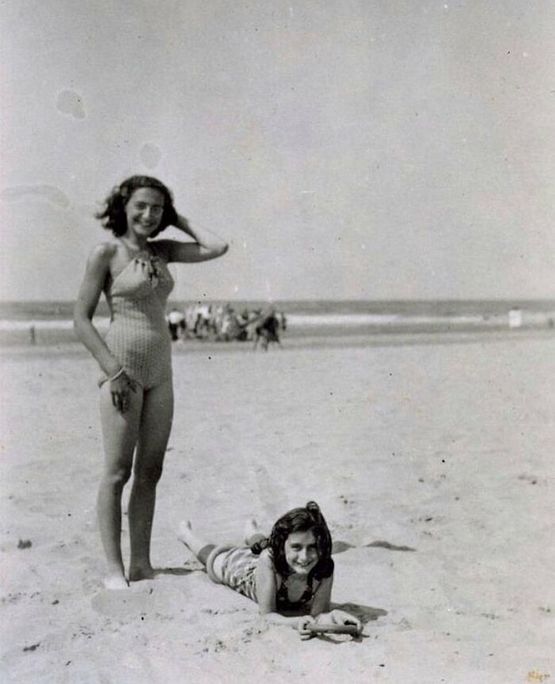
206	245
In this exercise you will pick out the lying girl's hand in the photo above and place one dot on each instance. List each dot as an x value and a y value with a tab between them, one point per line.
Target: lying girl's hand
120	389
341	617
302	623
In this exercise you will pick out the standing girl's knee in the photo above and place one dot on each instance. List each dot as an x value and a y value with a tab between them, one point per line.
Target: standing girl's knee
117	477
149	474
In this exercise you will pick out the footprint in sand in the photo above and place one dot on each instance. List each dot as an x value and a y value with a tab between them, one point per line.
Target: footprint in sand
137	602
531	479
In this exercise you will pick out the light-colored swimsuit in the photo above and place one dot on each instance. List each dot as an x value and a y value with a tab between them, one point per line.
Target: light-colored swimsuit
138	335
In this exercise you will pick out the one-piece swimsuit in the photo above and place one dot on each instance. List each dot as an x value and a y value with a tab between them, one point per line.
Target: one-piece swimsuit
238	571
138	335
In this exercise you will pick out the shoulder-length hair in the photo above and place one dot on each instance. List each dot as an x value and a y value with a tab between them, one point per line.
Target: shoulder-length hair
304	519
113	215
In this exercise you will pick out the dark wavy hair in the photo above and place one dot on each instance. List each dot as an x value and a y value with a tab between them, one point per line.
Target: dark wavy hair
304	519
113	215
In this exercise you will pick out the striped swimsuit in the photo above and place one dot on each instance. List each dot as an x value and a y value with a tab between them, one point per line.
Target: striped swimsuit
237	570
138	335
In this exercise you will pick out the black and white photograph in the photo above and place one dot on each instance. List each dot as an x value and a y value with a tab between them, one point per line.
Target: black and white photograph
277	341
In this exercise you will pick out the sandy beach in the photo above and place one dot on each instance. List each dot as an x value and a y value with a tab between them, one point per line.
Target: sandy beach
431	457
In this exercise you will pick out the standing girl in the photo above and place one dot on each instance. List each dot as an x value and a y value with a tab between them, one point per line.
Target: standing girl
289	574
136	396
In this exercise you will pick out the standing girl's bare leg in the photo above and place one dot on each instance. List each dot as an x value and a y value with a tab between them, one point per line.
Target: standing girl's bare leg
154	432
119	436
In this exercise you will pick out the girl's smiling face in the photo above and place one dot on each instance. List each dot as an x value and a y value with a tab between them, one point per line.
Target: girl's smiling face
144	211
301	552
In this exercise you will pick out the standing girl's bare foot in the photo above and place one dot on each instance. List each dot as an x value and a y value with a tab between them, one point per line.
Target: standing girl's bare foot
115	582
140	572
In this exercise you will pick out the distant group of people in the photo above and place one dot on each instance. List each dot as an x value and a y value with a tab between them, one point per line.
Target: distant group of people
222	323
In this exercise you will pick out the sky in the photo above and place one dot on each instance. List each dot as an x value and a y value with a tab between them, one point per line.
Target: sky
346	149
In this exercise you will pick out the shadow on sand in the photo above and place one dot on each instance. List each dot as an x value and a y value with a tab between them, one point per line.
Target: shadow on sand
341	546
174	571
389	547
363	613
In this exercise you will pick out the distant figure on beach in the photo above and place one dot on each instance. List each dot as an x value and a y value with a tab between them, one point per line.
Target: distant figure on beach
136	393
267	331
176	324
289	574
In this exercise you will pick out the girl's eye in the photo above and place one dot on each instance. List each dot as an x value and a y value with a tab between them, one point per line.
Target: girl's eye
155	210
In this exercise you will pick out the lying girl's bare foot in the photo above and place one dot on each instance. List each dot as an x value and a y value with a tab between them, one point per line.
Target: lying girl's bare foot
252	532
189	538
141	572
185	531
115	582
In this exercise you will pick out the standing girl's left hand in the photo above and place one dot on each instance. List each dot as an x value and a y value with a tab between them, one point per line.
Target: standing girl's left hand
119	389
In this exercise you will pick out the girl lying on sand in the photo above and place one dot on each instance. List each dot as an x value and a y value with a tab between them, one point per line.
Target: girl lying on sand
289	574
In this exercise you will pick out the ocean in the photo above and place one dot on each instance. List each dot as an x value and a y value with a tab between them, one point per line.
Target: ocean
62	310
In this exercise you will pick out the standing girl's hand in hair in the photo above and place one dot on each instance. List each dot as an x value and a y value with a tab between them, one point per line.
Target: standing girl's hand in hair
207	245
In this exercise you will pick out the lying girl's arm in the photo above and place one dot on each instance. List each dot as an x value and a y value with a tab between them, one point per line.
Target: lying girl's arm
321	607
339	617
205	246
322	597
266	589
98	269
